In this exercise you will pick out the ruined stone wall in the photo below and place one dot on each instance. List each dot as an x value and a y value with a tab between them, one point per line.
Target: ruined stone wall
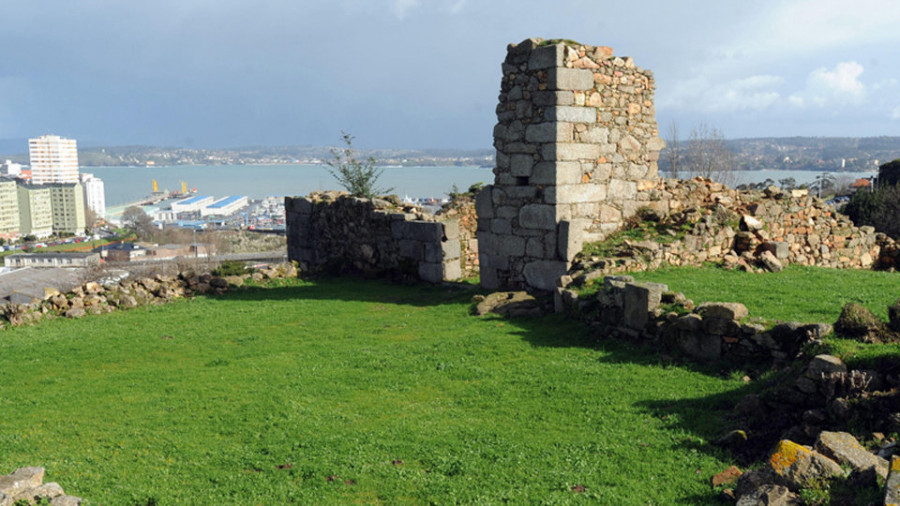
327	230
462	209
577	144
750	230
707	332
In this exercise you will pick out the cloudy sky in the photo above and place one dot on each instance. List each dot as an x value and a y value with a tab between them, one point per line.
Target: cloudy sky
426	73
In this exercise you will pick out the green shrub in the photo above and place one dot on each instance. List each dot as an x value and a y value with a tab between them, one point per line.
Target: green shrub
878	208
230	268
359	177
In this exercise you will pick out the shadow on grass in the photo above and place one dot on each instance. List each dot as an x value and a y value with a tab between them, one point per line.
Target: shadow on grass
705	418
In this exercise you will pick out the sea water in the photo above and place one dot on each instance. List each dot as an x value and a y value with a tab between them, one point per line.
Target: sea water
128	184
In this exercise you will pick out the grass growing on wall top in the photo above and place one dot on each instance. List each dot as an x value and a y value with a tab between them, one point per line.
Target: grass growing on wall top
804	294
349	391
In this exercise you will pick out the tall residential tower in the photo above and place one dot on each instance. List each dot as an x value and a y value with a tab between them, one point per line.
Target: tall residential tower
53	160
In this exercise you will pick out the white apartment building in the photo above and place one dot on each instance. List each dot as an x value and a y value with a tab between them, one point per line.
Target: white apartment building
94	194
53	160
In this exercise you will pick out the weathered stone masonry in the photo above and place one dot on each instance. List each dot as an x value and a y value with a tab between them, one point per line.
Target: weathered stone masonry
371	236
577	144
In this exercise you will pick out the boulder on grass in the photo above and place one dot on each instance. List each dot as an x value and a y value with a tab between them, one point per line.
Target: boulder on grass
859	323
796	466
843	448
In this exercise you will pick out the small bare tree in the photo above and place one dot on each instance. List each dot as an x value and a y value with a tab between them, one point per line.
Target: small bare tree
672	152
708	156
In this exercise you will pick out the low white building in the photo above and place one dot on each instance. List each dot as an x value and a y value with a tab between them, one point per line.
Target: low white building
191	204
59	259
226	206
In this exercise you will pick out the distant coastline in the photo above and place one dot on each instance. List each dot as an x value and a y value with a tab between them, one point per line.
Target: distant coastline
817	154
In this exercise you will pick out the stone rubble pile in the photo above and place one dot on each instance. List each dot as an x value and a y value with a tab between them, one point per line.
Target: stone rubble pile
749	230
336	232
26	485
825	395
792	467
95	298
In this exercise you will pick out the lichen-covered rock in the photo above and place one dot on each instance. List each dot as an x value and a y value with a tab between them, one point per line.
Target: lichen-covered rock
843	448
892	487
795	466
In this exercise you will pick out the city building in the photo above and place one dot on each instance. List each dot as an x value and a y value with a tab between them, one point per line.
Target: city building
226	206
192	204
94	194
11	169
9	209
53	160
35	210
58	259
67	205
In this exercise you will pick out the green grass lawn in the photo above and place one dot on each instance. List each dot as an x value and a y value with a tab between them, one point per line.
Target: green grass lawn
345	391
805	294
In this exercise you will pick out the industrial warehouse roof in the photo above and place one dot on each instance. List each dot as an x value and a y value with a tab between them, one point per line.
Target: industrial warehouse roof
194	200
226	201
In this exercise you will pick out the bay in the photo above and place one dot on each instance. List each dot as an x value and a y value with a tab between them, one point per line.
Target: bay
128	184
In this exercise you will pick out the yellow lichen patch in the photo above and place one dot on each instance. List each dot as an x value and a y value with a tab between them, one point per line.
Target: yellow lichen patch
785	455
895	465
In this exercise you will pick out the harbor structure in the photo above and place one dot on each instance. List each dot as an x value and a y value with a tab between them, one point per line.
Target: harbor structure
192	204
53	160
225	206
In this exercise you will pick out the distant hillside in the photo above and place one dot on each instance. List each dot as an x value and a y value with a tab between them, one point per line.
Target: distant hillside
809	153
148	155
780	153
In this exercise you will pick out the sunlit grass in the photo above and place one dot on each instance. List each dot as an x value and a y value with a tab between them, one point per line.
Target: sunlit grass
350	391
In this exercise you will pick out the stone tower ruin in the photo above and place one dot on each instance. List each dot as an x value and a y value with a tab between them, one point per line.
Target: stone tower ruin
577	149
